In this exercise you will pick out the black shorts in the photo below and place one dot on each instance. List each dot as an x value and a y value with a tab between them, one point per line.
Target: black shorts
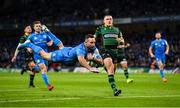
26	57
116	57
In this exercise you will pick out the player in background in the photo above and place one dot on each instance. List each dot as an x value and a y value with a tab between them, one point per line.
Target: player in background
82	53
28	63
111	45
158	49
43	40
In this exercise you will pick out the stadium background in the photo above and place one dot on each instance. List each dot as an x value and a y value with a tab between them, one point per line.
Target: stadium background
70	20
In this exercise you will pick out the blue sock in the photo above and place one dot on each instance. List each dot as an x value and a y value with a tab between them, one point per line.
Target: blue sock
45	78
162	73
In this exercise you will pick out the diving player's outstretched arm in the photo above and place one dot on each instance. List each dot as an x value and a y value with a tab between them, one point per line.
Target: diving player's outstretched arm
84	63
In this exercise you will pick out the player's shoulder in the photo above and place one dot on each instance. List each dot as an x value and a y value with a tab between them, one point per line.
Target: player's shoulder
32	34
154	41
80	49
81	46
43	33
22	39
99	27
164	40
115	27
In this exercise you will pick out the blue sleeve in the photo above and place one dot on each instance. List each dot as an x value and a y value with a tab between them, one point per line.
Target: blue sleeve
152	45
48	38
80	52
166	42
30	38
96	54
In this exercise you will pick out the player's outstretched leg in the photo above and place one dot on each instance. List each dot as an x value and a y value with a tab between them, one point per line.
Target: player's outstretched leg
35	48
55	40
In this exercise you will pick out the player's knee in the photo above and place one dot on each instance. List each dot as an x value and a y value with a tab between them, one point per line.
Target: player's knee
111	69
31	64
61	46
43	68
110	72
160	66
124	66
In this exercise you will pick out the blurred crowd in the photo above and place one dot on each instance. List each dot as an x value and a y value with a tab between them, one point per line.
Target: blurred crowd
56	10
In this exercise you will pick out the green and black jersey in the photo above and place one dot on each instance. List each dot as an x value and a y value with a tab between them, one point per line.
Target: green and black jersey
107	36
107	41
23	38
28	56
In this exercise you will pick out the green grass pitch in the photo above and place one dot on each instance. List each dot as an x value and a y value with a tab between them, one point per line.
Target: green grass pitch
89	90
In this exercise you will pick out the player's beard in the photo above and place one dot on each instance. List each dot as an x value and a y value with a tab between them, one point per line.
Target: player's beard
90	49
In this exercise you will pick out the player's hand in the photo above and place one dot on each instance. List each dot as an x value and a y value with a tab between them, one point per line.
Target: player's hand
120	40
128	45
152	56
166	53
44	28
94	70
121	46
13	59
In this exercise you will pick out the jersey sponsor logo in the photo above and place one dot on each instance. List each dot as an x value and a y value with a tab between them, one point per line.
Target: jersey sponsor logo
40	42
111	36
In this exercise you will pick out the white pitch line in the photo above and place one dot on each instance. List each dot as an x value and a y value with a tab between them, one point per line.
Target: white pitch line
70	98
144	96
76	98
11	90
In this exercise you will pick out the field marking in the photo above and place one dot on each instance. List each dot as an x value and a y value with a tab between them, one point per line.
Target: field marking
77	98
33	100
11	90
144	96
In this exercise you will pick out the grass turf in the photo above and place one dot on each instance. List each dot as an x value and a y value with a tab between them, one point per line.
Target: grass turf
89	90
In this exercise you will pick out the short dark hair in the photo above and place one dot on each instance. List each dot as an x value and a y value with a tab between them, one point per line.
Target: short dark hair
36	22
26	25
107	15
89	36
159	32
